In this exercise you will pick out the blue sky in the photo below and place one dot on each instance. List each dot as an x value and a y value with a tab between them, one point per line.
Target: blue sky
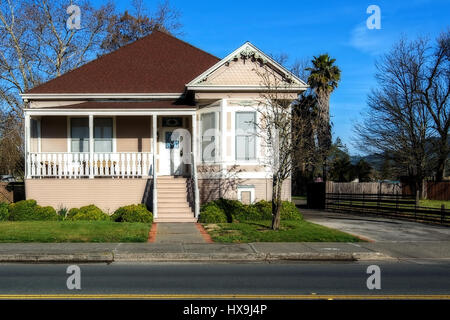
304	28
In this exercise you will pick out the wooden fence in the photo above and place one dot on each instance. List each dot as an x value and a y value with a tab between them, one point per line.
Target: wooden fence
6	194
432	190
363	187
395	206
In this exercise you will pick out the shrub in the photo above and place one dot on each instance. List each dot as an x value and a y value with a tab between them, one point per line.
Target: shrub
133	213
4	212
261	210
62	212
290	212
90	212
46	213
212	214
28	210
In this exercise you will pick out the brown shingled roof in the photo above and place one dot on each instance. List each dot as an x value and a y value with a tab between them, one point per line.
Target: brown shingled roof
157	104
157	63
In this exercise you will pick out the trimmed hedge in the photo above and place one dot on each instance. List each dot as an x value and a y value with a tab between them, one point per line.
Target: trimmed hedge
28	210
212	214
4	212
88	213
225	210
133	213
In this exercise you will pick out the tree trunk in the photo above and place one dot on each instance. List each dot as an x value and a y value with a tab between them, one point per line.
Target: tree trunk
276	204
442	159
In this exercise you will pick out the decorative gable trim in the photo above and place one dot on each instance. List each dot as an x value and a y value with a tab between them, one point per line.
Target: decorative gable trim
246	51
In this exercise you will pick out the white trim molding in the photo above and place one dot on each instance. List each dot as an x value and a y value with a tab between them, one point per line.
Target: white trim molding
246	50
63	96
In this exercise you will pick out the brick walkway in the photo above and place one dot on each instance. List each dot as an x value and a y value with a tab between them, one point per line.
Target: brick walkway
178	232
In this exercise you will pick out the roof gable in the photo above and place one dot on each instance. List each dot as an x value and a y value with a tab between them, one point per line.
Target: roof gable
238	70
157	63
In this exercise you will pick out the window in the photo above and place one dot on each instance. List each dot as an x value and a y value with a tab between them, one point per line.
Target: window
246	194
79	133
103	135
245	135
208	121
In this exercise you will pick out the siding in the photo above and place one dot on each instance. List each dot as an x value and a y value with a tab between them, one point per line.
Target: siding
107	194
211	189
133	134
54	134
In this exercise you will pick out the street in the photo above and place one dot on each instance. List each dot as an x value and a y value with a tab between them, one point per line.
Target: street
410	277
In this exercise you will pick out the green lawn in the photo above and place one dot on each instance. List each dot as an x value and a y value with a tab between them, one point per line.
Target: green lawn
434	203
298	197
73	231
290	231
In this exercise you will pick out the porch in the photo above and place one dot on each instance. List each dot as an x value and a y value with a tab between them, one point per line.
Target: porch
64	145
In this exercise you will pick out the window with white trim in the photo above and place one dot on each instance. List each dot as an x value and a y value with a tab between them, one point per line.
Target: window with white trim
103	135
79	134
246	194
208	123
245	131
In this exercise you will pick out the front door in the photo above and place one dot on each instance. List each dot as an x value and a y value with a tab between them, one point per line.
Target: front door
169	153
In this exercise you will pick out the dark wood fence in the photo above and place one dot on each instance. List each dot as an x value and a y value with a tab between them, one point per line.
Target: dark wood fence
389	205
12	191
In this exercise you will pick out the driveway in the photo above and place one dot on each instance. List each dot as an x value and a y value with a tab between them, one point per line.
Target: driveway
378	228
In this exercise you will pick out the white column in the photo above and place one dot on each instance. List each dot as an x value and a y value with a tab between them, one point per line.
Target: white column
27	146
155	190
194	165
91	147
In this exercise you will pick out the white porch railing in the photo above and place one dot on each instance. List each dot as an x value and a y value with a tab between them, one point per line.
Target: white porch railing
85	164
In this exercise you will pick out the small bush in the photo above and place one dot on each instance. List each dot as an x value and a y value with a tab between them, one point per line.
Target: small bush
28	210
62	212
133	213
46	213
22	210
290	212
261	210
90	213
4	212
212	214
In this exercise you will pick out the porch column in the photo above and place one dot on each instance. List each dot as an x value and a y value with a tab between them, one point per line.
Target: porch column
27	146
155	190
194	165
91	146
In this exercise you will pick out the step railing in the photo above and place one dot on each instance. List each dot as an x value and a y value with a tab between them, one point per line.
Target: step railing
85	164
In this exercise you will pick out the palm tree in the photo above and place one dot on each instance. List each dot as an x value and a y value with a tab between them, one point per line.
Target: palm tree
323	79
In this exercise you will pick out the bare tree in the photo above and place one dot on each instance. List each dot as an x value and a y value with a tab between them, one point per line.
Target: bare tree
275	129
397	124
36	45
432	67
131	26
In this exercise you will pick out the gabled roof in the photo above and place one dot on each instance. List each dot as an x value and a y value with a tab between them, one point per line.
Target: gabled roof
157	63
215	78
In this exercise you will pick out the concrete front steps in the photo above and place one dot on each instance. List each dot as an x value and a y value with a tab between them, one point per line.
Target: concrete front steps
173	205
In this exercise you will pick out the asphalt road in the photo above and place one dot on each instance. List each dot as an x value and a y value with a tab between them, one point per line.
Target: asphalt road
408	277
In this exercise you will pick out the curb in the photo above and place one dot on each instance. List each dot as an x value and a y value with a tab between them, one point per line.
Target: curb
56	258
190	257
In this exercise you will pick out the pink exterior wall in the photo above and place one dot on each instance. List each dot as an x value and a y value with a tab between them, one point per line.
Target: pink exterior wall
133	134
54	134
107	194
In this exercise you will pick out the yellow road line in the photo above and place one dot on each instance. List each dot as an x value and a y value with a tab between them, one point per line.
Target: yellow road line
223	296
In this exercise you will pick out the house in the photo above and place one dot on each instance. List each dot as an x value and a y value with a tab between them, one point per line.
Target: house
158	121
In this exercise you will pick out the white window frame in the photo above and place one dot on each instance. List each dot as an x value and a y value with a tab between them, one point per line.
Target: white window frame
69	132
216	110
250	189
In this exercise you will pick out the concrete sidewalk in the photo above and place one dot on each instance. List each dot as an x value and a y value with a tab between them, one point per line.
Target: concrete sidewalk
197	252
